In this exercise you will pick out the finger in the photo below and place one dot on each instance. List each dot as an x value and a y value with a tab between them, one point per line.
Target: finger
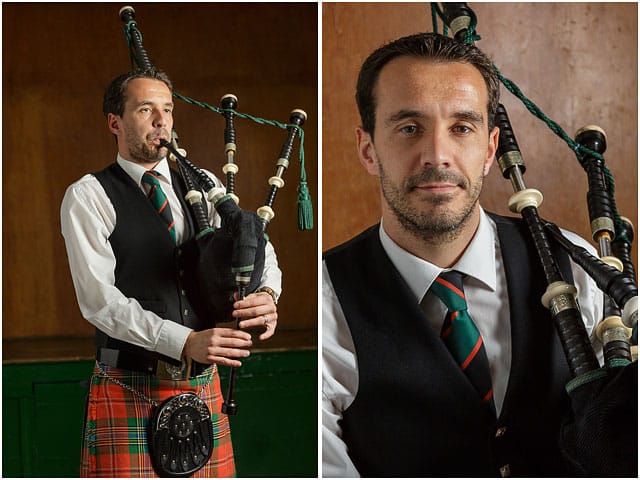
254	299
256	311
230	333
259	321
227	362
268	333
228	353
232	343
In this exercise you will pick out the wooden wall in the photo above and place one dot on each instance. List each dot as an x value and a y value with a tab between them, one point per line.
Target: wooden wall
58	58
576	61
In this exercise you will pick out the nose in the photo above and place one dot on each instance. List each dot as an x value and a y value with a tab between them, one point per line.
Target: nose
160	118
436	148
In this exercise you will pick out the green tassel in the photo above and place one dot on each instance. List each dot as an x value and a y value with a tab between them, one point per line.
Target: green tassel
305	208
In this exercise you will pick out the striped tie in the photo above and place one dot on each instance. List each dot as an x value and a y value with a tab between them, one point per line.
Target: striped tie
159	200
462	337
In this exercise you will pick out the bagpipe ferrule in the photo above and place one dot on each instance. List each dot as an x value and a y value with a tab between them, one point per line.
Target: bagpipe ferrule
613	261
529	197
559	296
277	181
230	167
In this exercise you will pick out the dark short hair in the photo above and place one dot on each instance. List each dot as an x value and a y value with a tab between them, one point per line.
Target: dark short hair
430	46
115	96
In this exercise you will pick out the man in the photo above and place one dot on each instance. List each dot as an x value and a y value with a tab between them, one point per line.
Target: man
150	344
397	399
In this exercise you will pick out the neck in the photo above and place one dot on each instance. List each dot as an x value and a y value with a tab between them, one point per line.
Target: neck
147	165
441	249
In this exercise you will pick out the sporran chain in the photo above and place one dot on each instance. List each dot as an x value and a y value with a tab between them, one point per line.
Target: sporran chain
141	395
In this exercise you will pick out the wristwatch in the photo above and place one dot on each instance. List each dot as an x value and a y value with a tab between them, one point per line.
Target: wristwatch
270	292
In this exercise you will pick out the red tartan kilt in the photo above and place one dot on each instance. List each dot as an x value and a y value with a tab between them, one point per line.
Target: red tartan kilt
115	433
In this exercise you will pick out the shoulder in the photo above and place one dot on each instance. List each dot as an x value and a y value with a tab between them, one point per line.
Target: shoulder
86	197
353	244
86	187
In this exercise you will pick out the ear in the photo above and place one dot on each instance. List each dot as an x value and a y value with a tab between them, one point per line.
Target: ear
367	152
113	122
491	149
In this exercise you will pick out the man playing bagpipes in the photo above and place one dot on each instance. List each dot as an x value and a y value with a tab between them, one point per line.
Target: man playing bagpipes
124	227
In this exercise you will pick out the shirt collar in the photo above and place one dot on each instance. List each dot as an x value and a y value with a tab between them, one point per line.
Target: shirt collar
135	170
478	260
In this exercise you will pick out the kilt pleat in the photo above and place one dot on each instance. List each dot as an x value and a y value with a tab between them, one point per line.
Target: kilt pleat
116	424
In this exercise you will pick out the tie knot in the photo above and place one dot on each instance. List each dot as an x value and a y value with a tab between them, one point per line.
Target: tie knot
448	288
151	177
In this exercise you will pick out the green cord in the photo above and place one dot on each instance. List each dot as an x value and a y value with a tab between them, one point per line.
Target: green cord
578	149
305	205
435	13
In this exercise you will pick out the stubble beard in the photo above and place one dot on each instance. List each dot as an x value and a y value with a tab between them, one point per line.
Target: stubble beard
438	224
142	151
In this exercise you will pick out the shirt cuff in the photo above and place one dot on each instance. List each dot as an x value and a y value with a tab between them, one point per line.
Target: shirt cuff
172	338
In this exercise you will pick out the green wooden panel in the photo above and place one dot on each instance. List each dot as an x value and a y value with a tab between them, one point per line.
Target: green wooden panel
275	429
274	432
58	410
45	402
11	438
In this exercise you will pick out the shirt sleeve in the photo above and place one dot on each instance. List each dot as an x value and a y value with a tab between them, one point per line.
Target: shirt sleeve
271	276
87	220
339	382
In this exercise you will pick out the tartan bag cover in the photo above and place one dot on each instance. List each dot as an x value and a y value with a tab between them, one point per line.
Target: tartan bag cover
116	424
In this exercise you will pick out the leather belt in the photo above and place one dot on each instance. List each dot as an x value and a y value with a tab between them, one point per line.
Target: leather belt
150	366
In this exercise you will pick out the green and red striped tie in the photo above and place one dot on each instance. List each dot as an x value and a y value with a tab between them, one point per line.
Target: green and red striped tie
159	200
461	336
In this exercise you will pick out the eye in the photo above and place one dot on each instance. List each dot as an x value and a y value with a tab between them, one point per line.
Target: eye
462	129
409	130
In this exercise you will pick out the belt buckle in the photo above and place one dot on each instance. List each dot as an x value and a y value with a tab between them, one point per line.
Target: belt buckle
168	371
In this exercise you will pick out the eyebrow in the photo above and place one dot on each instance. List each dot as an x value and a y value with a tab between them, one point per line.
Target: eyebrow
149	102
468	115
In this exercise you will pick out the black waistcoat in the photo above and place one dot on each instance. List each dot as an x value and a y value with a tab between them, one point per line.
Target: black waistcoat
415	413
146	255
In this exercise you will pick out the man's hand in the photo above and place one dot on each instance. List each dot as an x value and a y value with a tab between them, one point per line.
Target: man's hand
257	310
224	345
218	345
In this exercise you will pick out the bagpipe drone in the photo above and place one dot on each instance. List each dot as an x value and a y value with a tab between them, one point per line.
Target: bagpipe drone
599	435
220	263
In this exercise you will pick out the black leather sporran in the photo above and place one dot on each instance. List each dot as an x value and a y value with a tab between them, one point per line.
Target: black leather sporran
181	435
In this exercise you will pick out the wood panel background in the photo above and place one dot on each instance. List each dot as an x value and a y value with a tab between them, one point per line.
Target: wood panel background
57	61
576	61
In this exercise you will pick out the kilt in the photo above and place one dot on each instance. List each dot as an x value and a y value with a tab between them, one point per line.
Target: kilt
116	424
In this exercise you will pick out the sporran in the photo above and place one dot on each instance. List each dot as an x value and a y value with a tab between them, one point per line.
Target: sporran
180	436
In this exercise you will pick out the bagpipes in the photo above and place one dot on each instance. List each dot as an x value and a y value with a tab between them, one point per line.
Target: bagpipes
599	435
226	263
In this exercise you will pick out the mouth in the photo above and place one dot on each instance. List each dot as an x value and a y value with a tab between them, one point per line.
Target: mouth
437	188
157	140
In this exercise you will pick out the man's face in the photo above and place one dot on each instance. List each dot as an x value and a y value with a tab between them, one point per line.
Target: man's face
432	146
147	117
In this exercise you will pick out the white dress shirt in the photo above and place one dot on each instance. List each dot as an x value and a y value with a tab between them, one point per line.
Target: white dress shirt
88	218
485	287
